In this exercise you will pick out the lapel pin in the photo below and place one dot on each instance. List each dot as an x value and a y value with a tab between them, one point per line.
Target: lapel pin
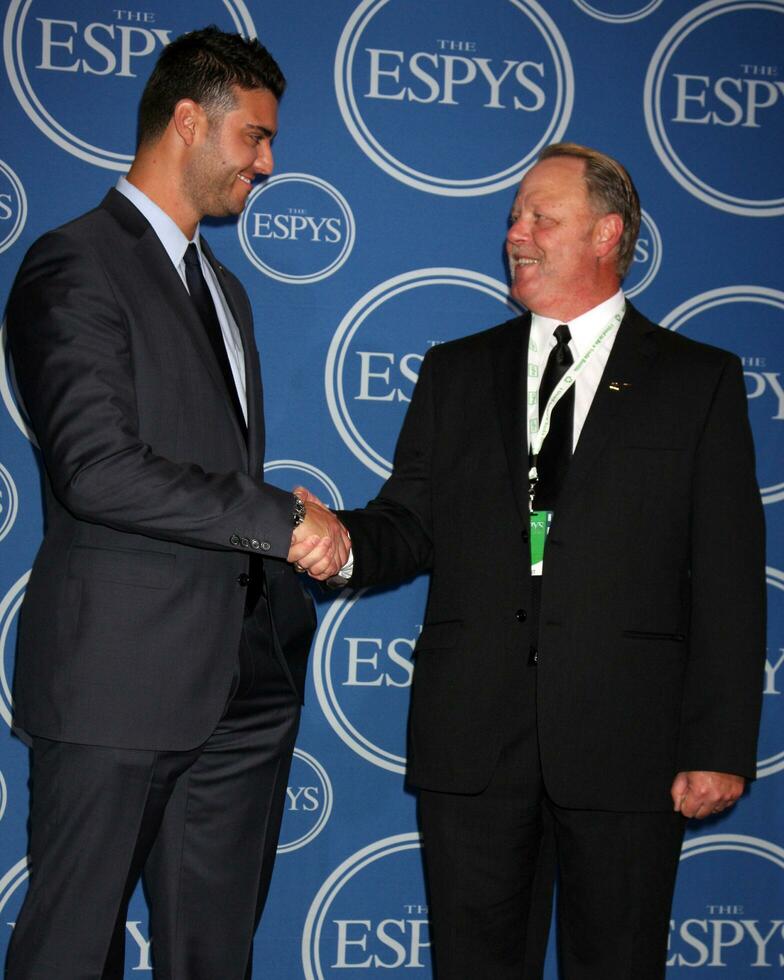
620	385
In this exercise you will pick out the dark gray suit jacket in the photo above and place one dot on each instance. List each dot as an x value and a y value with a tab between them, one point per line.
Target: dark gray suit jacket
652	639
154	501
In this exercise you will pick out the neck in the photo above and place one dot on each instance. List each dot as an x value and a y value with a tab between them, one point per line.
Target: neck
156	177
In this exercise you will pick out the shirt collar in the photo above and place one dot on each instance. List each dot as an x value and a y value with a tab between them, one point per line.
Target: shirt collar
583	328
170	235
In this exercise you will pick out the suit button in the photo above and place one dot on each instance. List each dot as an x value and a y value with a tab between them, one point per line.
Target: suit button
524	535
243	580
265	546
521	615
255	544
533	656
245	542
234	539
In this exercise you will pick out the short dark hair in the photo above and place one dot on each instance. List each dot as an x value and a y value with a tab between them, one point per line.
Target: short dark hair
204	65
610	191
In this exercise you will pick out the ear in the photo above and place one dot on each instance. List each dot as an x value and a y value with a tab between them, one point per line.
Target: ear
607	234
188	119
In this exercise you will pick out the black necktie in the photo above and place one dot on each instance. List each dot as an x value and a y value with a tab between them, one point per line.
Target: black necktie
556	452
202	300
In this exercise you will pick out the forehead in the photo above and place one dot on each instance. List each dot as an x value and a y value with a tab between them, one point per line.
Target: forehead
255	107
557	179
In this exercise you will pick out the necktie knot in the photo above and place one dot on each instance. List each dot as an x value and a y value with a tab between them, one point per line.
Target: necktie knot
192	256
561	350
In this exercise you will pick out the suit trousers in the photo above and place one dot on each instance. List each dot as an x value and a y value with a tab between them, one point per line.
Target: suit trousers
489	864
201	826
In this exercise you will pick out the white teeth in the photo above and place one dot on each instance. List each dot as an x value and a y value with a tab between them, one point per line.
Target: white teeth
241	177
526	261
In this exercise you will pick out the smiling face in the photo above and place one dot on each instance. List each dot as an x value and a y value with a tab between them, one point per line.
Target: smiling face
560	250
234	149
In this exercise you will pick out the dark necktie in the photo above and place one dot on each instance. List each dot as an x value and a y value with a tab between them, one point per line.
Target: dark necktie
202	300
553	461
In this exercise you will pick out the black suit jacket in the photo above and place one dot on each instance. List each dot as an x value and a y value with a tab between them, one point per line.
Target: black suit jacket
651	646
130	628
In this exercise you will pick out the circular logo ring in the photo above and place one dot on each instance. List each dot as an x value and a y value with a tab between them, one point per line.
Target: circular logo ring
653	268
627	18
326	809
720	297
755	846
8	390
352	117
7	520
15	20
327	698
326	895
9	607
11	880
314	471
21	217
337	197
654	122
772	763
353	320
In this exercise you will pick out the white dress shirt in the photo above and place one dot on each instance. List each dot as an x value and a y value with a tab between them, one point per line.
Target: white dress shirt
584	330
175	244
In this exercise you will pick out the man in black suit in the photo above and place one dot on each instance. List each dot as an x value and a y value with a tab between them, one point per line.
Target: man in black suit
616	683
164	636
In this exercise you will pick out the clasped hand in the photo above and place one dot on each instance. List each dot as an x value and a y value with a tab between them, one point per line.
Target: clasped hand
320	545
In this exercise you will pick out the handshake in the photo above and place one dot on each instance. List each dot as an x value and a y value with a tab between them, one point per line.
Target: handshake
320	545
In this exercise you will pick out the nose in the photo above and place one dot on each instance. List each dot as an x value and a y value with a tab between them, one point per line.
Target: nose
519	231
264	162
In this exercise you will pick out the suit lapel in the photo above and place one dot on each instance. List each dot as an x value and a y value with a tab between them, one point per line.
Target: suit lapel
510	359
170	289
630	358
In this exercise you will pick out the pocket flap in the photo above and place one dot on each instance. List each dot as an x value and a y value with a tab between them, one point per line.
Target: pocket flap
153	569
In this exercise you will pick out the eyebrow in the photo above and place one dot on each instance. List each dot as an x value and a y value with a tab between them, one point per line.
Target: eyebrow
261	130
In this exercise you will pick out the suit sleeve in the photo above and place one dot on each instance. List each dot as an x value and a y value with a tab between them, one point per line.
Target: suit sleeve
71	350
392	537
723	689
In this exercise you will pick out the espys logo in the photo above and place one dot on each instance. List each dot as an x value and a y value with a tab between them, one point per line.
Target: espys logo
647	257
370	913
747	319
10	395
619	13
308	802
770	749
362	670
373	360
137	951
297	228
735	930
13	207
289	473
9	608
9	502
709	112
438	71
99	56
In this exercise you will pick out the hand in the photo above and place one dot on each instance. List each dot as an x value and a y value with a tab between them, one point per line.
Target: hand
702	794
320	544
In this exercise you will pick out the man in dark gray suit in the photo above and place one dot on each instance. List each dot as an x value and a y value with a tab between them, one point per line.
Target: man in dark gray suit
164	636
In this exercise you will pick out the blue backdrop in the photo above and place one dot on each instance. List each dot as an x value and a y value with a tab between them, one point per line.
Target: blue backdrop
404	130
